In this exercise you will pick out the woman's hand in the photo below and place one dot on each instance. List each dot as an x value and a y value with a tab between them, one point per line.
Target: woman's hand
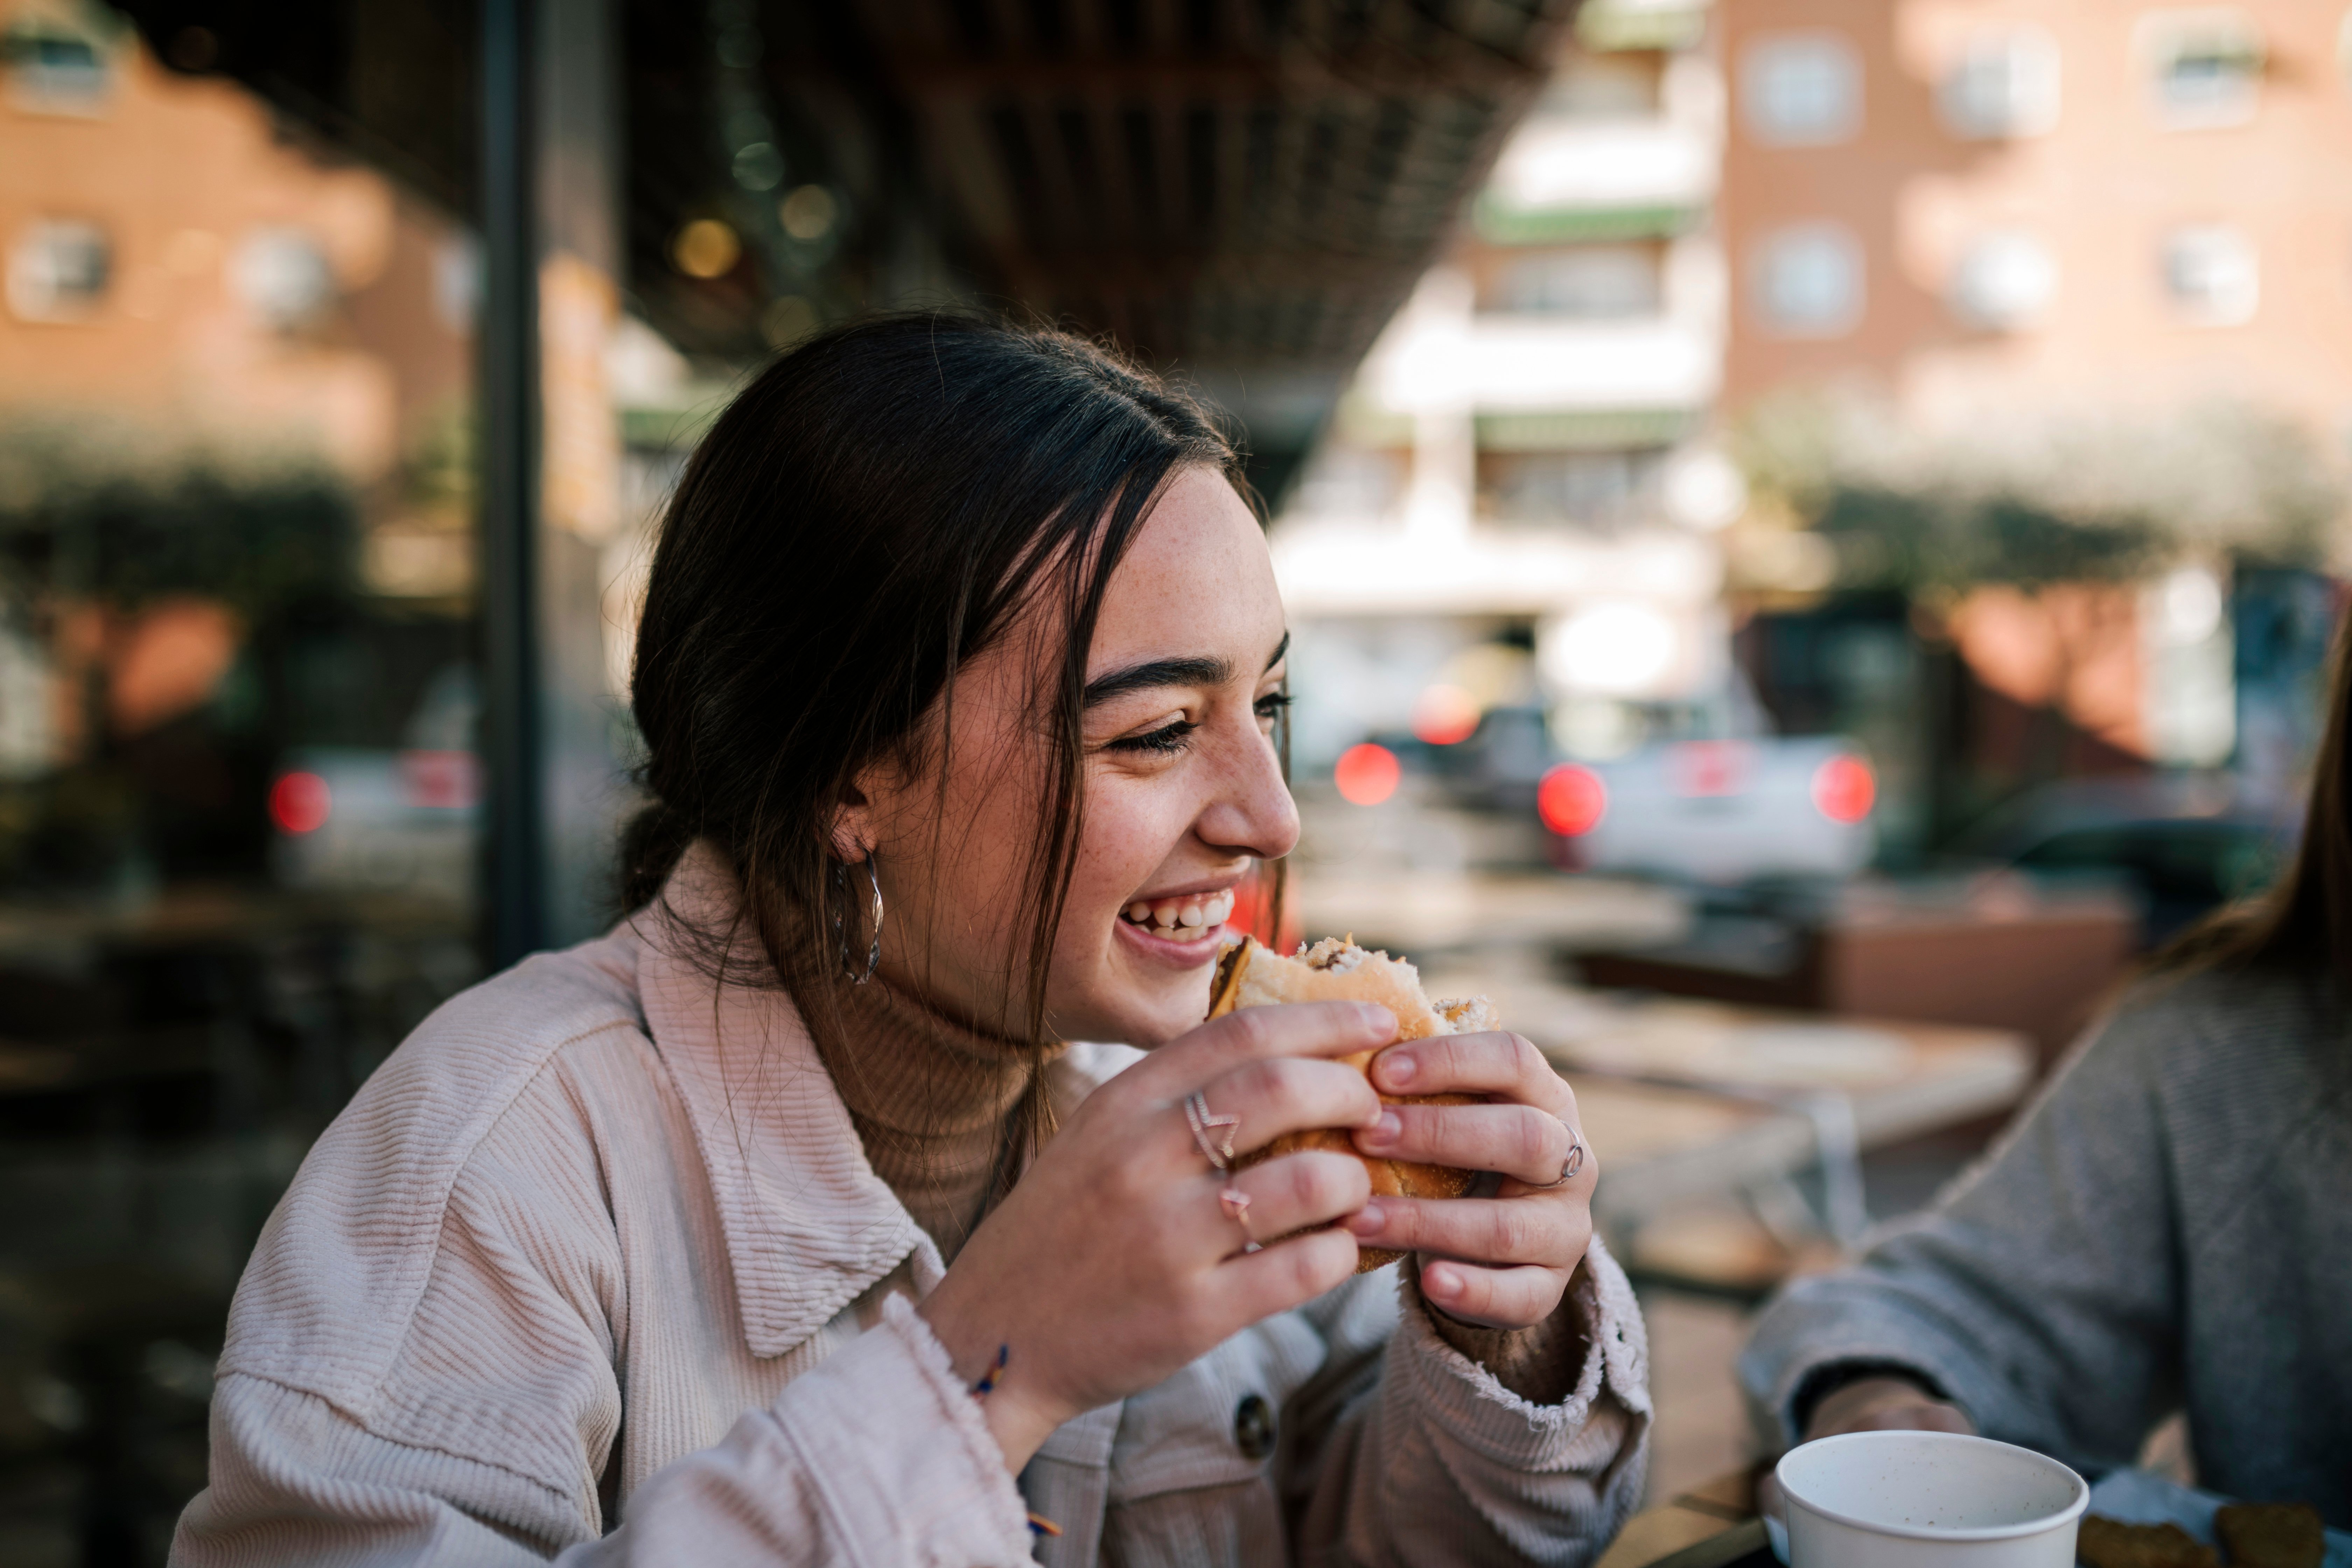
1502	1262
1113	1261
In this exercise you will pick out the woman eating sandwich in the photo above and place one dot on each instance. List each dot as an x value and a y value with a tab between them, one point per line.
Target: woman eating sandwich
785	1224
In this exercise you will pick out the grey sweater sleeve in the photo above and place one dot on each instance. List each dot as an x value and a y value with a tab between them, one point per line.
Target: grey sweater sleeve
2041	1293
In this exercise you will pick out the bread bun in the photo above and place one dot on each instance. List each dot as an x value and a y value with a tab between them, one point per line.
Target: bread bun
1250	974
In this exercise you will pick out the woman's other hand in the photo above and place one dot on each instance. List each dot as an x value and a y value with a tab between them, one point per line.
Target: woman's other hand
1887	1404
1890	1404
1115	1261
1502	1262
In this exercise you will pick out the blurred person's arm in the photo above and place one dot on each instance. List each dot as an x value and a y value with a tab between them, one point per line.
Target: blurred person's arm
1533	1446
2038	1299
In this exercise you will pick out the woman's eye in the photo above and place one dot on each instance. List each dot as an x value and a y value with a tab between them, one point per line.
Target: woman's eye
1166	738
1270	706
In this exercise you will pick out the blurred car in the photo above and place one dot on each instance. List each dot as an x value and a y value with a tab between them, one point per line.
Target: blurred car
1726	812
395	819
2185	844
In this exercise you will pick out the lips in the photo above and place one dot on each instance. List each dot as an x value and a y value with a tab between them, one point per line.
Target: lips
1182	917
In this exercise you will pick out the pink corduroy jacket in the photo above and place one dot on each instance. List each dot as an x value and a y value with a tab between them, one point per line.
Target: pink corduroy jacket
593	1269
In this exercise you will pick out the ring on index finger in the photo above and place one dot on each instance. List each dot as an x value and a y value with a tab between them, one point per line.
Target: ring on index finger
1569	1166
1202	1122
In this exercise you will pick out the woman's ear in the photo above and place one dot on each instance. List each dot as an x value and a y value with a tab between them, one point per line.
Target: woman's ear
855	829
852	829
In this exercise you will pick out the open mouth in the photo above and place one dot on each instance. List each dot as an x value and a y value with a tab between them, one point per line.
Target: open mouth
1187	917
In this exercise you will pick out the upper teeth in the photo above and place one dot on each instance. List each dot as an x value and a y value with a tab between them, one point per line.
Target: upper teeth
1190	912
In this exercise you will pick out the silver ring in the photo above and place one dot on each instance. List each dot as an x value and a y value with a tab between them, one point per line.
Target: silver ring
1203	1121
1572	1165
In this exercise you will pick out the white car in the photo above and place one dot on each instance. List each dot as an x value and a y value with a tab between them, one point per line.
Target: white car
1717	811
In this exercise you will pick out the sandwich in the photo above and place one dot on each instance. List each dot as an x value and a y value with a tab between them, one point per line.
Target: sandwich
1250	974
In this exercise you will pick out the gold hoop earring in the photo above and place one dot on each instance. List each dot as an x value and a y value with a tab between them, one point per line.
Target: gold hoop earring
841	935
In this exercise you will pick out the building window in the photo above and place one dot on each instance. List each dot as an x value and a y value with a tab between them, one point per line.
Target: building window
1801	90
2212	275
1807	281
2003	282
284	276
1589	281
2003	87
55	68
57	271
1595	489
2206	67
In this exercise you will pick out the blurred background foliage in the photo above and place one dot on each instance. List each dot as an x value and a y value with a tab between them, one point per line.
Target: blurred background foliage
2060	502
127	517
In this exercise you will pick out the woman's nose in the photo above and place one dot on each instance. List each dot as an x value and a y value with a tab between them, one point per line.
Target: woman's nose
1252	810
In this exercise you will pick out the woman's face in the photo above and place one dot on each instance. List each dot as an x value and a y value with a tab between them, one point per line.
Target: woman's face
1183	792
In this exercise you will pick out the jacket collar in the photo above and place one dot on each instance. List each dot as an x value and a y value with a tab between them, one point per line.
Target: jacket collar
809	1225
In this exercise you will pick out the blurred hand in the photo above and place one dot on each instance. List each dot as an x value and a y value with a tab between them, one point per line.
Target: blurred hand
1113	1263
1502	1262
1890	1404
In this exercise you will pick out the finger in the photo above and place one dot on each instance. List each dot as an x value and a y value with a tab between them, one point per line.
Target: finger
1493	1297
1478	1230
1518	1140
1493	1063
1253	1034
1283	1274
1295	1193
1290	1095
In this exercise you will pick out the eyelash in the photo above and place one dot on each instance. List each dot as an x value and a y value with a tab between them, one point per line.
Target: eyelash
1173	738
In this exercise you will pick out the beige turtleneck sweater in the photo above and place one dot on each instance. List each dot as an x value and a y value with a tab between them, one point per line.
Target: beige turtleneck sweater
934	1102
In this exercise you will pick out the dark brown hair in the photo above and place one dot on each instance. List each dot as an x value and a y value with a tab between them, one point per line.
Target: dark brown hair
876	509
2302	923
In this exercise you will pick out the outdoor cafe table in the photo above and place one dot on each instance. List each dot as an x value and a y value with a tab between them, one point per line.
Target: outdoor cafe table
1712	1526
1688	1100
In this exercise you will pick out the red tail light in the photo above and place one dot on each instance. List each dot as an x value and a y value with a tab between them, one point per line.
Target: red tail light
299	803
1367	774
1844	789
1571	800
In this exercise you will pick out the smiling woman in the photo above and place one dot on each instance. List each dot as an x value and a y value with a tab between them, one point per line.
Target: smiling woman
788	1223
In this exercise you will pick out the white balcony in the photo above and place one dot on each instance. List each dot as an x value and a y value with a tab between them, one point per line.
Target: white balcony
1638	163
1513	364
1336	566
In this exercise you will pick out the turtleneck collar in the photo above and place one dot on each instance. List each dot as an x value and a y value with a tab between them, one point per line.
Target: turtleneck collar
933	1101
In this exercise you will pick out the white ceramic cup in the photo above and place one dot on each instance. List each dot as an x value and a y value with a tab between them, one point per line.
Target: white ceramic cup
1928	1499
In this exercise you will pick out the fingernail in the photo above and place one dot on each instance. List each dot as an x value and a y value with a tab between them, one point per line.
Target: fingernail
1397	1069
1384	1131
1440	1282
1379	1018
1366	1221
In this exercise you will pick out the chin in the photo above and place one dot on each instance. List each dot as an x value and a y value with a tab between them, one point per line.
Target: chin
1142	1016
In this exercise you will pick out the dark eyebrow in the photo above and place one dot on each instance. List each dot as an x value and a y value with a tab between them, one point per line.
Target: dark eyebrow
1160	673
1157	673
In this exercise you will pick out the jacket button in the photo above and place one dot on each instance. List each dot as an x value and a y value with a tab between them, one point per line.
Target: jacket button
1253	1427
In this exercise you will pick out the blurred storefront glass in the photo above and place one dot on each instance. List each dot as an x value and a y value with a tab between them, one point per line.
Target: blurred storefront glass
238	696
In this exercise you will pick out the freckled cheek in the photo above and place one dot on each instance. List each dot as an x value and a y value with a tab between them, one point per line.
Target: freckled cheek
1130	832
